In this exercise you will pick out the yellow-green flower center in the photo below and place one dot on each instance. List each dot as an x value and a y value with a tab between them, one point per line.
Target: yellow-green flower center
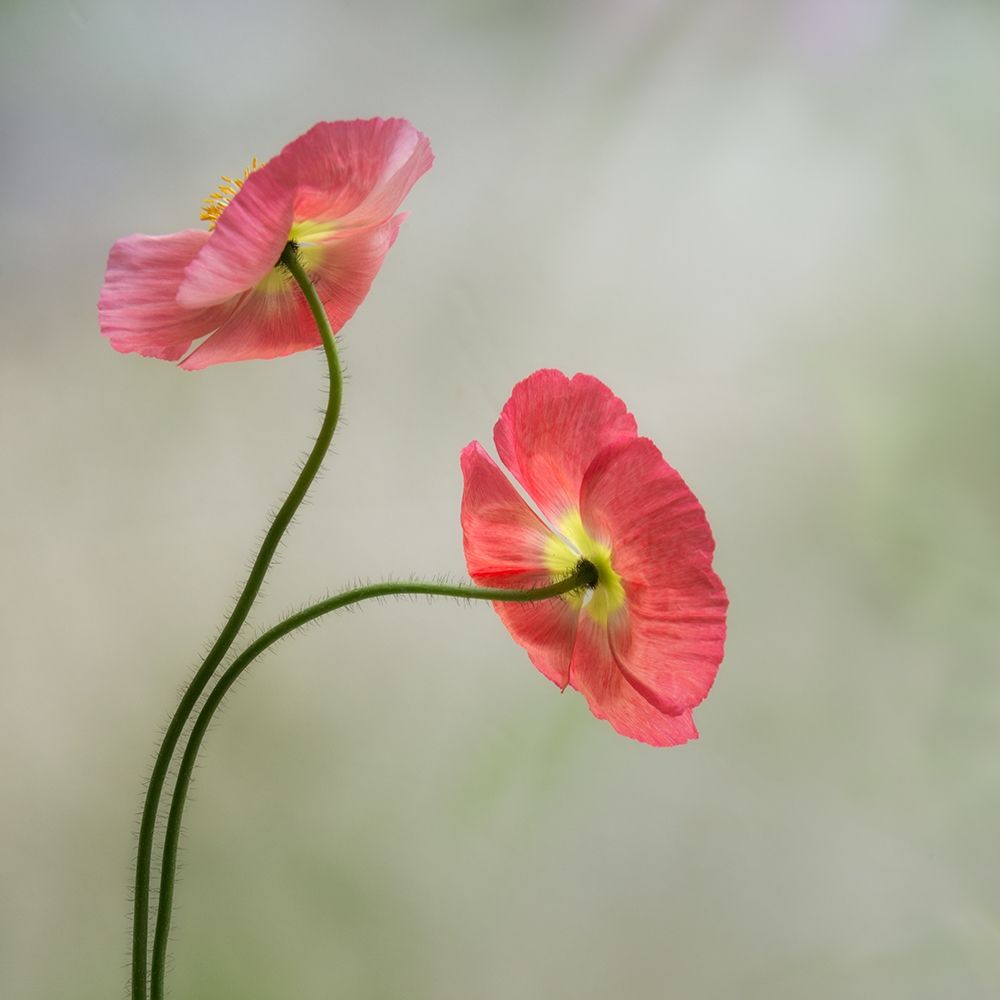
308	235
562	556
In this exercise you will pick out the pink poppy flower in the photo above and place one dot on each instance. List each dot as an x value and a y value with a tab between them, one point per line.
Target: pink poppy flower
644	644
333	192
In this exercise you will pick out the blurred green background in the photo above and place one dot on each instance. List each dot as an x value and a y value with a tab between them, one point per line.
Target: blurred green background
772	228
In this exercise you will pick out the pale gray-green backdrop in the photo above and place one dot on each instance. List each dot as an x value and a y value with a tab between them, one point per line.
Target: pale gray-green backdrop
773	228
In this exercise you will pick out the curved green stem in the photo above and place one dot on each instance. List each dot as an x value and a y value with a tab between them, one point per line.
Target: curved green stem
147	827
585	576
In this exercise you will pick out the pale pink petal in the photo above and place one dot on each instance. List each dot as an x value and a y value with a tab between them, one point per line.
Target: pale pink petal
610	696
356	172
272	325
504	547
669	636
347	267
138	310
551	429
263	325
246	242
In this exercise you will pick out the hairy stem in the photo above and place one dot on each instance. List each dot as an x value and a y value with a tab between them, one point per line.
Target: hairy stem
147	827
585	576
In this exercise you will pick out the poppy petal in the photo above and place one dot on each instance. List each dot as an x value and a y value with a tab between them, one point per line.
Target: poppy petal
138	310
670	634
669	643
504	547
346	267
356	172
247	240
610	696
262	325
551	429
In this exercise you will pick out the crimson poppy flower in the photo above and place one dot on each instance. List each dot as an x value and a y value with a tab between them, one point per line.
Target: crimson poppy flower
644	644
332	192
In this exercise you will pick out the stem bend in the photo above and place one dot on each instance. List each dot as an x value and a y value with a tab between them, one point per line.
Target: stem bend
584	576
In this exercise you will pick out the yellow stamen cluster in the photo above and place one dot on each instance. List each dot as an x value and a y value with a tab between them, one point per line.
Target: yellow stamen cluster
215	204
562	556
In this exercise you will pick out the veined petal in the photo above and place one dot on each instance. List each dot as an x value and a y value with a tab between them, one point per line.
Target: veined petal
344	267
610	696
356	172
138	310
633	500
551	429
504	544
669	642
264	324
247	240
669	637
504	538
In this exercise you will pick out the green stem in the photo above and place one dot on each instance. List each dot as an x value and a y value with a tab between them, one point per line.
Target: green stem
147	827
585	576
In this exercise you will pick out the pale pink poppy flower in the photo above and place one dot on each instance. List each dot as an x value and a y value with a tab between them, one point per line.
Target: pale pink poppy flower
333	192
643	645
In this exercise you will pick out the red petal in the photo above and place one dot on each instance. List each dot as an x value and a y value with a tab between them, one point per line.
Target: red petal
504	545
356	172
610	696
138	310
551	429
669	636
263	325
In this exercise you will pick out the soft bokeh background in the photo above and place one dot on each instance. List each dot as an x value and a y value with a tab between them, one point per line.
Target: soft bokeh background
773	228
